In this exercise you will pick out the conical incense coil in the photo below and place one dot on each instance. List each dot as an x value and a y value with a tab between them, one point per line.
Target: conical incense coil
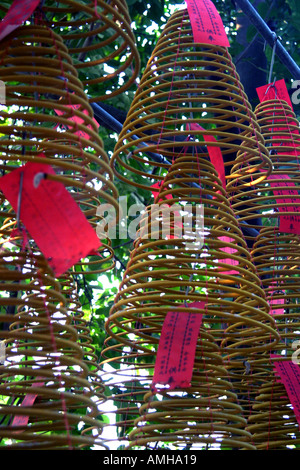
153	420
263	204
187	84
43	379
45	98
47	84
69	288
100	41
273	423
280	129
277	257
168	271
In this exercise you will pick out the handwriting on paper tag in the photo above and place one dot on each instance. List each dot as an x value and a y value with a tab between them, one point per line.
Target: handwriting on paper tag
288	223
22	420
50	215
206	23
177	347
290	377
215	153
18	12
77	120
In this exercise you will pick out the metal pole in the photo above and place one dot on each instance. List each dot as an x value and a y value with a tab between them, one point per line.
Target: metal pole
270	37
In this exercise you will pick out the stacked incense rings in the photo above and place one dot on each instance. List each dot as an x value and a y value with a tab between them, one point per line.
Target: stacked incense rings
101	42
167	273
276	253
44	379
273	423
46	95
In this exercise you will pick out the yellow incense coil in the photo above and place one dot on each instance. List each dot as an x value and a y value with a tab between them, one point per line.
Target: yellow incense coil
43	357
31	129
100	41
276	255
166	272
188	83
260	205
273	423
202	421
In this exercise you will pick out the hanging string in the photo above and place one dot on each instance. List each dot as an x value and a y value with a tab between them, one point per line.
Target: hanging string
273	57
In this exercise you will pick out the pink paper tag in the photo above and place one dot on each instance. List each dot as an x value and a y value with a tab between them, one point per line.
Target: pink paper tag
206	23
271	91
290	377
287	223
177	348
215	153
18	12
22	420
50	215
78	120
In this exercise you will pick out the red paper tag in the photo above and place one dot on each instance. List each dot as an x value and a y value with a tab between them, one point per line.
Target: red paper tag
50	215
290	377
287	223
206	23
18	12
271	91
78	120
215	153
22	420
177	348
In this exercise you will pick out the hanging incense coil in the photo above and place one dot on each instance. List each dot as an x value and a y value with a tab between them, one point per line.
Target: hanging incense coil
187	84
85	340
100	41
262	204
45	98
166	272
44	378
276	251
